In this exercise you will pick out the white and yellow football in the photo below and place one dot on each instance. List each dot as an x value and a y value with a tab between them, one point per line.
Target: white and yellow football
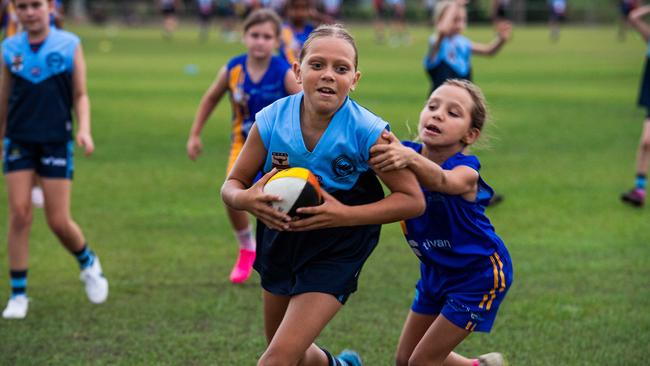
298	187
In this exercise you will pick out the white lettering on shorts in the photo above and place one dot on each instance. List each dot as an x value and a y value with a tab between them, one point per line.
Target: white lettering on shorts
54	161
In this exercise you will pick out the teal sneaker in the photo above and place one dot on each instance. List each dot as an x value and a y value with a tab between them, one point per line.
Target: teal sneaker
350	357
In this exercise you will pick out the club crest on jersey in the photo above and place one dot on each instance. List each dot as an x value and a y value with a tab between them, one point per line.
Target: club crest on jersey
280	160
36	71
14	154
55	62
17	63
342	166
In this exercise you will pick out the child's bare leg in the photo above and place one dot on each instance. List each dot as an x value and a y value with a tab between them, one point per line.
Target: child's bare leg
643	153
57	211
415	327
437	344
19	188
292	341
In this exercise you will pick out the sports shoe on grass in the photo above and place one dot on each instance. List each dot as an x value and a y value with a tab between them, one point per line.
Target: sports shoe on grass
38	199
634	197
350	357
96	283
243	267
492	359
16	307
496	199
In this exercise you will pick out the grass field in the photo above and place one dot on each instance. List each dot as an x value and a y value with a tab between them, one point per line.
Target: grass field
562	149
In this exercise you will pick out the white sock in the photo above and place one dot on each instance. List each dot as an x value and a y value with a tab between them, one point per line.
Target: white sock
246	239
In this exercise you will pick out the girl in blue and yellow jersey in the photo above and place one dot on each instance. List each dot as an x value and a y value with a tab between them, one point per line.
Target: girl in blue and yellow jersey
297	28
43	79
8	18
450	53
253	80
465	269
310	266
636	196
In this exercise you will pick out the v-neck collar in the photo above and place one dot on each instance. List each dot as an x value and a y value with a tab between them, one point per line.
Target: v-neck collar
245	66
297	128
45	40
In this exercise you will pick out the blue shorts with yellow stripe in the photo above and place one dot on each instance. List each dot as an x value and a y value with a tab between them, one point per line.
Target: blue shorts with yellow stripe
467	298
48	160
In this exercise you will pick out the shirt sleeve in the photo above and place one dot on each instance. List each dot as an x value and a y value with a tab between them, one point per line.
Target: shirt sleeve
469	161
377	126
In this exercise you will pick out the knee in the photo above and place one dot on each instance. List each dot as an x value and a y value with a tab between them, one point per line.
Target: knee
21	218
59	225
645	144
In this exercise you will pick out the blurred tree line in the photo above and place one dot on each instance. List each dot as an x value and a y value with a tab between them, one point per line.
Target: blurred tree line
522	11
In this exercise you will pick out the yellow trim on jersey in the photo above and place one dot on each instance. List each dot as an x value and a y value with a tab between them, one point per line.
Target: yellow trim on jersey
288	40
12	21
468	326
236	82
403	225
235	150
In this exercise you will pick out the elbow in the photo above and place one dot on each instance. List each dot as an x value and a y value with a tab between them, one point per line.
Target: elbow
80	97
418	205
224	192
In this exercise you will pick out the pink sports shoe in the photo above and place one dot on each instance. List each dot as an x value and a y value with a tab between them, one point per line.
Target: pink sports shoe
243	267
634	197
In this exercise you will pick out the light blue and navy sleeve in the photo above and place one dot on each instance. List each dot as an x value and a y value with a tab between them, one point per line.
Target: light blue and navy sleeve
368	136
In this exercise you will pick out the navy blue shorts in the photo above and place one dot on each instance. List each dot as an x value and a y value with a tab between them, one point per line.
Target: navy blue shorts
328	260
49	160
468	299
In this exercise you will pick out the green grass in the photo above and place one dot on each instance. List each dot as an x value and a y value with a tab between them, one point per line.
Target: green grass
562	148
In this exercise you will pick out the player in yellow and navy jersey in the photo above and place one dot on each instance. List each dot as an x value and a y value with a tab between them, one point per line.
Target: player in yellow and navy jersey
465	268
8	18
297	28
253	81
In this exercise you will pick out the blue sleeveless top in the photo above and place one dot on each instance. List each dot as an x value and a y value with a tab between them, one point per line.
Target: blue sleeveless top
249	97
455	52
40	102
340	156
454	232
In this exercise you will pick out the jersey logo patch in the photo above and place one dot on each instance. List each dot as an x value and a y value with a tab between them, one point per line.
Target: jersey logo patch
342	166
280	160
55	62
17	63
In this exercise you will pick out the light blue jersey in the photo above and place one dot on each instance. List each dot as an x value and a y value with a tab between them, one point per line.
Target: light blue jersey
342	152
41	92
456	52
